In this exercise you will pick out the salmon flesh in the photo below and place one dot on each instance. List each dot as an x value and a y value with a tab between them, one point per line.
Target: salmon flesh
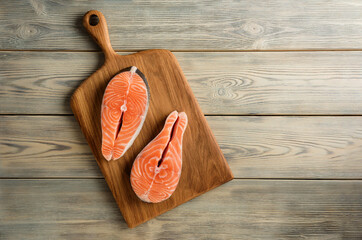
157	168
124	108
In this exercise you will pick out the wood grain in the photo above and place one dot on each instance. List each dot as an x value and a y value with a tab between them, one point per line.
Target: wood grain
223	83
271	83
241	209
203	164
44	146
255	147
179	25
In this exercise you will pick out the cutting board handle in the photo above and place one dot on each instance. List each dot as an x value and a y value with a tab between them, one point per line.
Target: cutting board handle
96	25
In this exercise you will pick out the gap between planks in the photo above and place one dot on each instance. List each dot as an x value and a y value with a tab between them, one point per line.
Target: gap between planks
241	179
206	115
191	50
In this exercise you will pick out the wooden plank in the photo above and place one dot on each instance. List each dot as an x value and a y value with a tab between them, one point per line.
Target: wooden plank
241	209
227	25
44	147
223	83
255	147
167	90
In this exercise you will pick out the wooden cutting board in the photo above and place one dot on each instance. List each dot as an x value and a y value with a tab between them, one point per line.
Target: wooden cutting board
204	166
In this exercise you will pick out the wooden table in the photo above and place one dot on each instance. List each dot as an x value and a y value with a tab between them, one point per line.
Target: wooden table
279	81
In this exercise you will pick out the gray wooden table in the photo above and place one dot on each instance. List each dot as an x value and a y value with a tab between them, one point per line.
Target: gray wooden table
279	81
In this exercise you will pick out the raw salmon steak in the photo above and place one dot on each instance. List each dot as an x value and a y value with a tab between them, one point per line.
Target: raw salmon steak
124	108
157	168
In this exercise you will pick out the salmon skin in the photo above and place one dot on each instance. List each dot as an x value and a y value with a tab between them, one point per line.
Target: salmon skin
124	109
156	170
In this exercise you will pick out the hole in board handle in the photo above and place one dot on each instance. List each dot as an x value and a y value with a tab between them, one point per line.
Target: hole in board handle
93	20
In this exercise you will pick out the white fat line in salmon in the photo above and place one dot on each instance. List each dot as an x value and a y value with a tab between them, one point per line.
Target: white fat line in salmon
124	106
133	71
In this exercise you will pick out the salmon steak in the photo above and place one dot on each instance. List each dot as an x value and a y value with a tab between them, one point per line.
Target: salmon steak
123	112
156	170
